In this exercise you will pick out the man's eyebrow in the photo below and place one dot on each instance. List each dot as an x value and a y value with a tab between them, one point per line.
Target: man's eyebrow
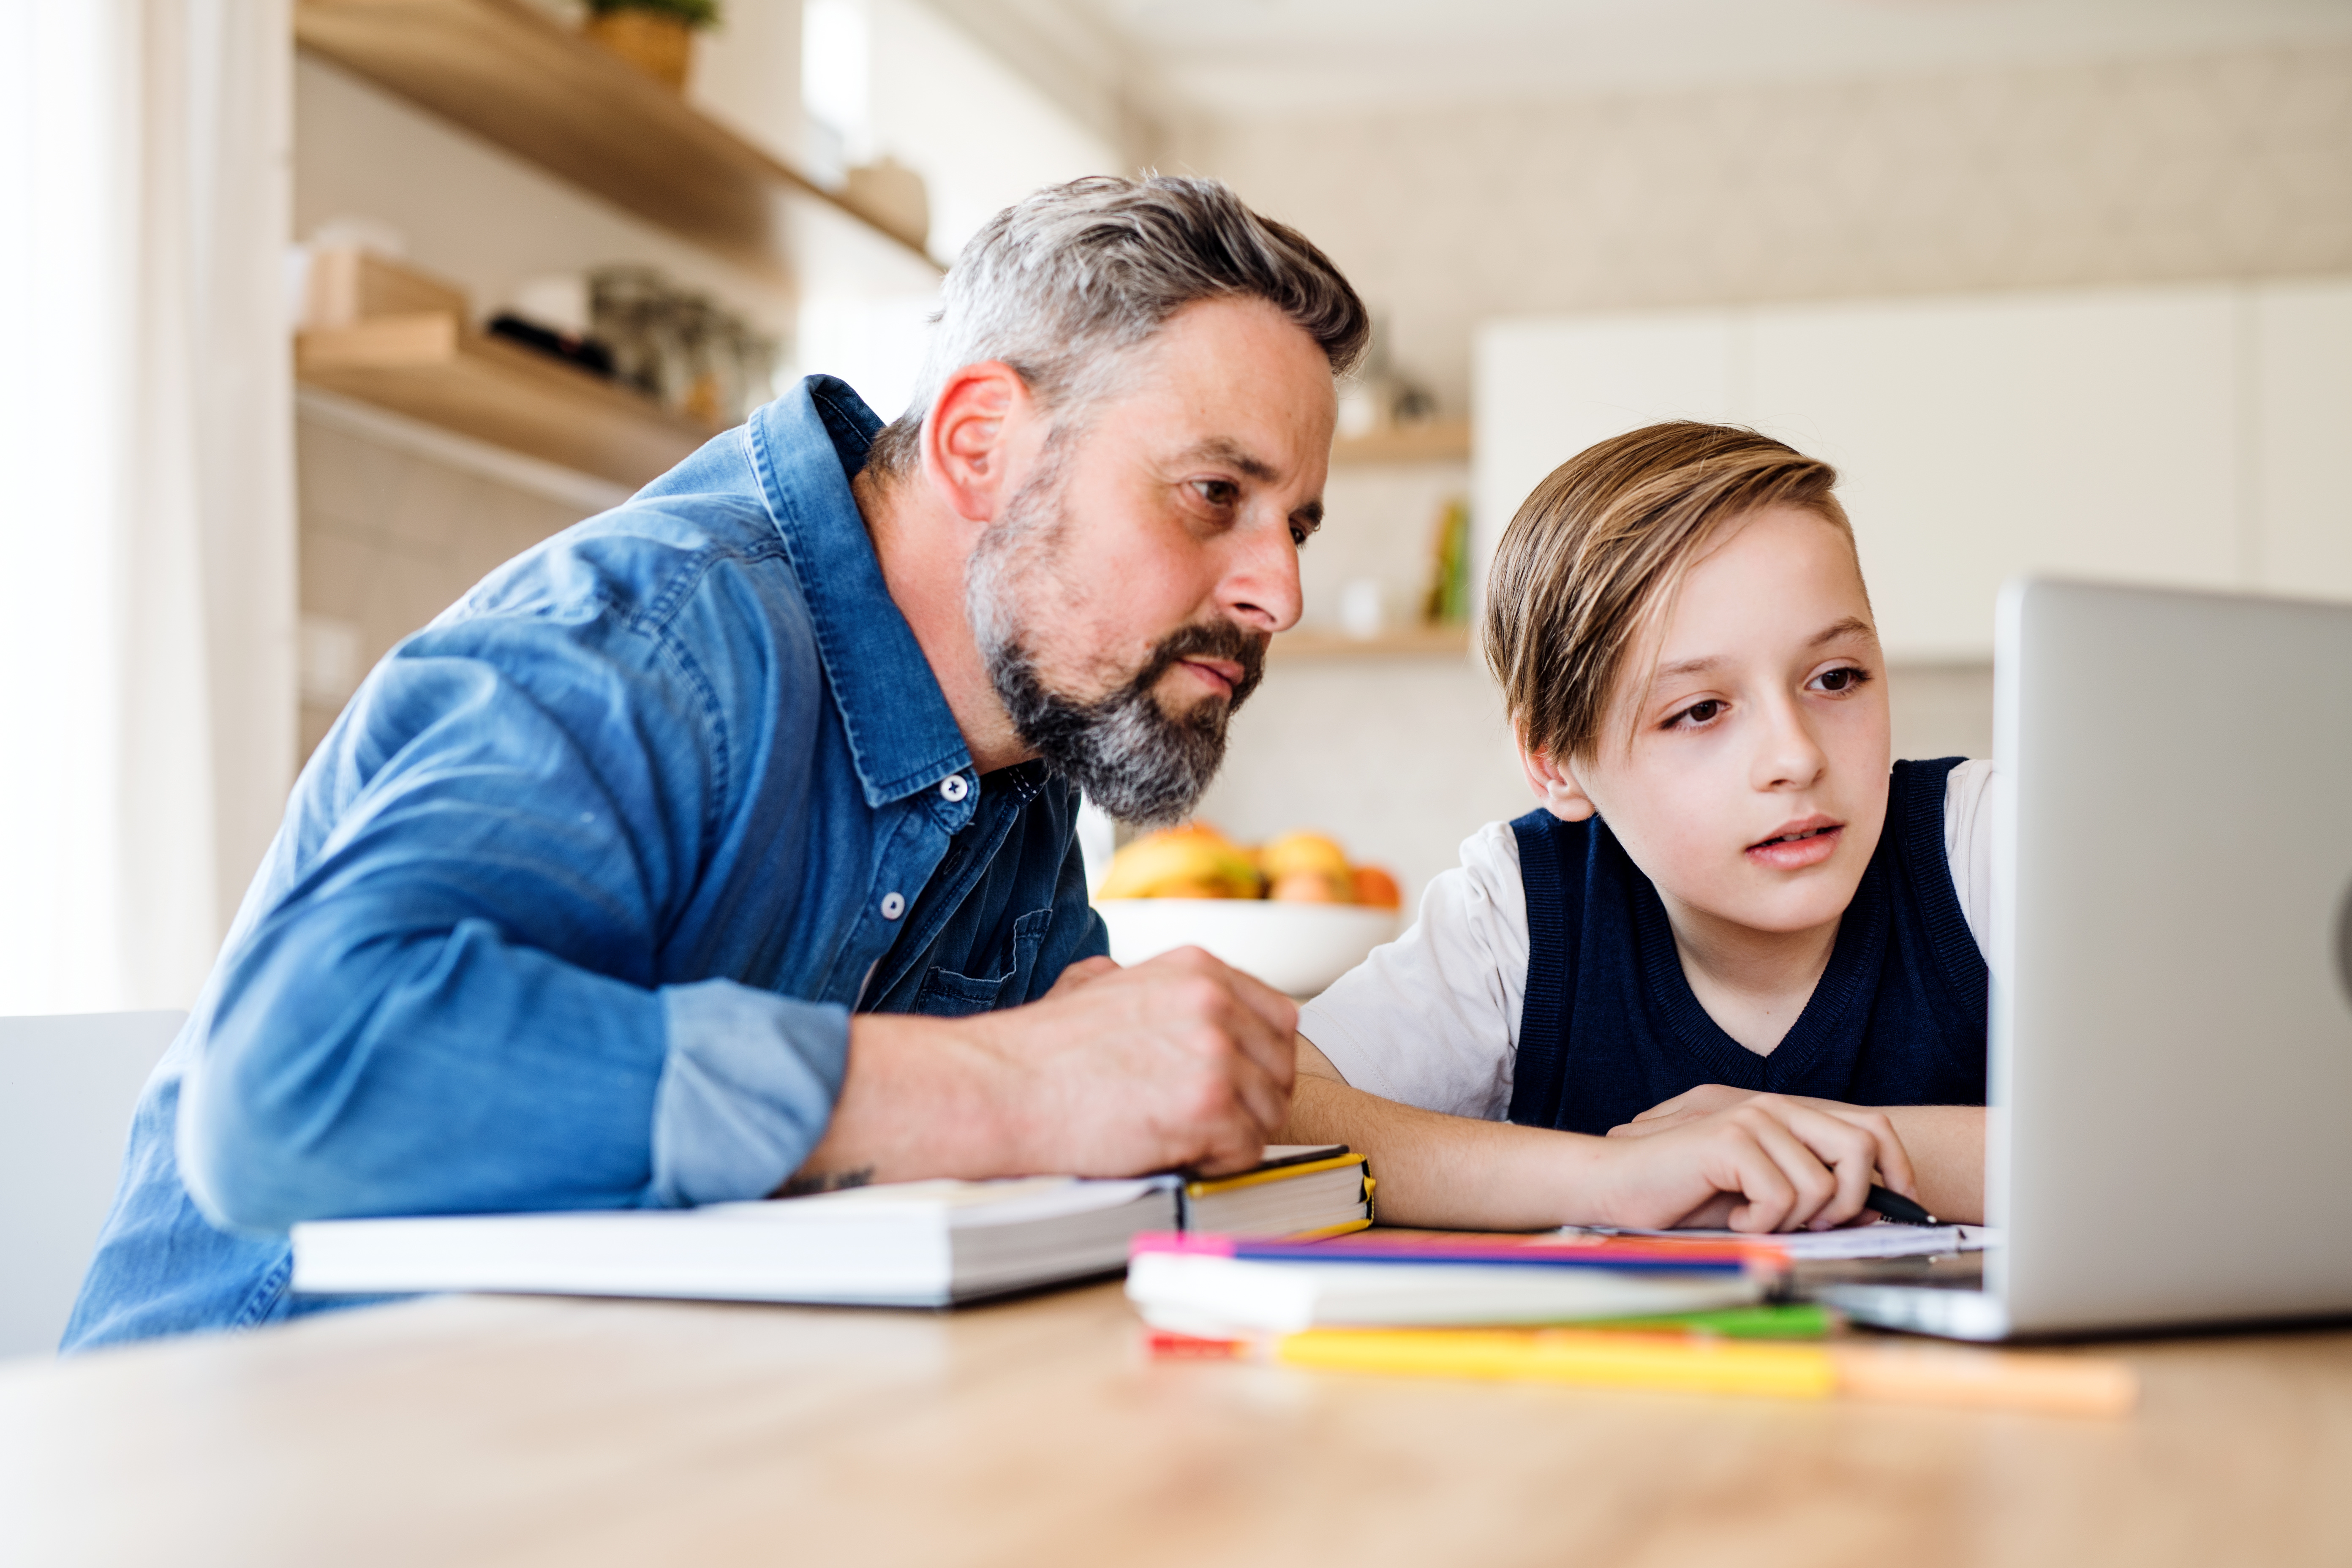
1234	455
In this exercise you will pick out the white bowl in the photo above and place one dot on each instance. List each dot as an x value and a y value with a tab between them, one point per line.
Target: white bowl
1297	949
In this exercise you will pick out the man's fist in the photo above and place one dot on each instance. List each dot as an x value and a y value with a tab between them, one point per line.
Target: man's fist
1179	1062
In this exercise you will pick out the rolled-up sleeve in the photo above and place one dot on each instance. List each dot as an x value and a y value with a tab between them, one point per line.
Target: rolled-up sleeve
746	1087
452	999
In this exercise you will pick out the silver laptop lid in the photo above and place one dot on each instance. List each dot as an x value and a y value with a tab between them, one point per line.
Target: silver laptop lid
2171	1075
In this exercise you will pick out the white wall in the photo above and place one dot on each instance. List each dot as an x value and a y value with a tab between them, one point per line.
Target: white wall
981	137
2188	169
2181	435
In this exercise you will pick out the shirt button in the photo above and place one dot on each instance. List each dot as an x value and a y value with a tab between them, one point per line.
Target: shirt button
953	787
893	906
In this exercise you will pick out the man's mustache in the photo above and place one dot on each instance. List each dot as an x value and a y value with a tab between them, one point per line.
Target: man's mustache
1213	639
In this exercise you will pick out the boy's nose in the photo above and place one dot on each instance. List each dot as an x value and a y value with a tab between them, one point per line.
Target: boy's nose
1789	757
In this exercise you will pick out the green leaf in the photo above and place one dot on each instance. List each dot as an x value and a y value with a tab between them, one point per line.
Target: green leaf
693	13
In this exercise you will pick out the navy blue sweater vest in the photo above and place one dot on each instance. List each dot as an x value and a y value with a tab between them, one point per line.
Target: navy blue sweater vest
1610	1028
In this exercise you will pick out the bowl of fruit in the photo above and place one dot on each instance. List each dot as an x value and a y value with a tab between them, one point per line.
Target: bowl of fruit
1294	911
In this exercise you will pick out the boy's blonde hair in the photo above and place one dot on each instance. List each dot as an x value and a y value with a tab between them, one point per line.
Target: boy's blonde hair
1604	539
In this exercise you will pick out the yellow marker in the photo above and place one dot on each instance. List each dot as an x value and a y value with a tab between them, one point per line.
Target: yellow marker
1556	1356
1912	1373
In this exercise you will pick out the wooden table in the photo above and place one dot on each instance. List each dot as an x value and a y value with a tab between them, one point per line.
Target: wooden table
510	1430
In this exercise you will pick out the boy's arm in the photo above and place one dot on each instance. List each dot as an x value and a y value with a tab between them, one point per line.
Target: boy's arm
1791	1163
1947	1142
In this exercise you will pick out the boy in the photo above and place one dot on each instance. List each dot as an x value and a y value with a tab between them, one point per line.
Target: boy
1733	941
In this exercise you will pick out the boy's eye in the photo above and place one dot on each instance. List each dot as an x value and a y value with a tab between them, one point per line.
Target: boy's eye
1698	712
1844	680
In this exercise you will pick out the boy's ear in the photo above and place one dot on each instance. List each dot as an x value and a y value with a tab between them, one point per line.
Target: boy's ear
1556	786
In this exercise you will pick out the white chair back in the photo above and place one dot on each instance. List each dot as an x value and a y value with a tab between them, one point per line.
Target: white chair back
68	1086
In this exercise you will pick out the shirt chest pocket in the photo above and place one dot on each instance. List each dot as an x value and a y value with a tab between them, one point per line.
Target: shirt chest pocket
948	994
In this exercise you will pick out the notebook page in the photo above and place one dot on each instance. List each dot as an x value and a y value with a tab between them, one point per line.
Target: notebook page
1852	1243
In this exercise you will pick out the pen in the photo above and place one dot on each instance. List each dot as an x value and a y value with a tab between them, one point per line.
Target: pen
1898	1208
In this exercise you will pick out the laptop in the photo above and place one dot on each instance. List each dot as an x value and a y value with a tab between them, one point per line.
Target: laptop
2169	1138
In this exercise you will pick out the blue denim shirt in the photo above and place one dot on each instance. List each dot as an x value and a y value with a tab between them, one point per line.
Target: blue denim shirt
571	908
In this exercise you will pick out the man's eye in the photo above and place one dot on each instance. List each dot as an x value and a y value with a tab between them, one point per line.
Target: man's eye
1218	492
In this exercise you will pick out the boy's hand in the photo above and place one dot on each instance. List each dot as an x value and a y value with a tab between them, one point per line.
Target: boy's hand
1688	1106
1756	1162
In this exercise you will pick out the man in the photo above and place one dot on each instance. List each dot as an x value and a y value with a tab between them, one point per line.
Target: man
723	845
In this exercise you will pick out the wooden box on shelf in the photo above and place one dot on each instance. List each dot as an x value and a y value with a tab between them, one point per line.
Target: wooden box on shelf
391	336
348	284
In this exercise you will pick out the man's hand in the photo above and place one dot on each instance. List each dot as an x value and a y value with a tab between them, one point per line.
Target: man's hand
1179	1062
1721	1156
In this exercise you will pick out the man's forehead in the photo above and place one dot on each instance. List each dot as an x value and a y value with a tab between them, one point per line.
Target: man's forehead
1231	452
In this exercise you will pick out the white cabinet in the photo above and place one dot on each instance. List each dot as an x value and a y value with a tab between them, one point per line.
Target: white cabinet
2299	419
2184	435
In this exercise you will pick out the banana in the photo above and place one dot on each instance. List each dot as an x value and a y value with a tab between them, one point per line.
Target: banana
1180	862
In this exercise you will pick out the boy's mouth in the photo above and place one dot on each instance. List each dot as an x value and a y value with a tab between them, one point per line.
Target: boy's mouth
1795	845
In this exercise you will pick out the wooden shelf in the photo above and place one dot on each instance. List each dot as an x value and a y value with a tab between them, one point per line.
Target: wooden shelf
1438	441
430	367
516	79
1453	641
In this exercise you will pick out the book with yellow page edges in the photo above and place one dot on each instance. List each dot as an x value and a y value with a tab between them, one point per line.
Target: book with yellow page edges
1298	1190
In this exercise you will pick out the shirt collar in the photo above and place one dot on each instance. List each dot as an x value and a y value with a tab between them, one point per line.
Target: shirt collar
805	445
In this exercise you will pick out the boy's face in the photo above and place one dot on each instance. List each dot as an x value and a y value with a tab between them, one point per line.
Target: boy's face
1754	786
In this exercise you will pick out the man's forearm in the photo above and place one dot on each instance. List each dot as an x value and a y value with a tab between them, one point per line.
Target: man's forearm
1946	1145
1447	1171
922	1097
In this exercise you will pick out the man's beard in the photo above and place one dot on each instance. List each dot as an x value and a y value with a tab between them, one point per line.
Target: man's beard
1127	753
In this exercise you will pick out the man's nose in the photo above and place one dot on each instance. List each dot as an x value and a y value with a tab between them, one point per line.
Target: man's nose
1260	588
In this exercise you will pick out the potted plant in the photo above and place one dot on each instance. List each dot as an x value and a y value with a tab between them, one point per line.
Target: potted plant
655	36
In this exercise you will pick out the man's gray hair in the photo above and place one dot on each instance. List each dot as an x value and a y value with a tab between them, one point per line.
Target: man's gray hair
1064	284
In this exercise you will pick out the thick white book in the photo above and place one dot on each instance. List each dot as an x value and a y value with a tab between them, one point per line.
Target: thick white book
905	1244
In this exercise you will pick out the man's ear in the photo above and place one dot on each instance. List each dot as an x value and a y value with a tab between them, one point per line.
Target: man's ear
1556	786
968	438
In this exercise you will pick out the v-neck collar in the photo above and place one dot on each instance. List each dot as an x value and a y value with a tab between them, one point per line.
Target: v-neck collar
1831	1019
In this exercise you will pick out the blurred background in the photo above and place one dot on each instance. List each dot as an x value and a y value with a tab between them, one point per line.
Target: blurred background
327	307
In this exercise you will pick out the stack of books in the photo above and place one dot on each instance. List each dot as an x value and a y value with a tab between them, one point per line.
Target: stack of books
1612	1311
1211	1285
